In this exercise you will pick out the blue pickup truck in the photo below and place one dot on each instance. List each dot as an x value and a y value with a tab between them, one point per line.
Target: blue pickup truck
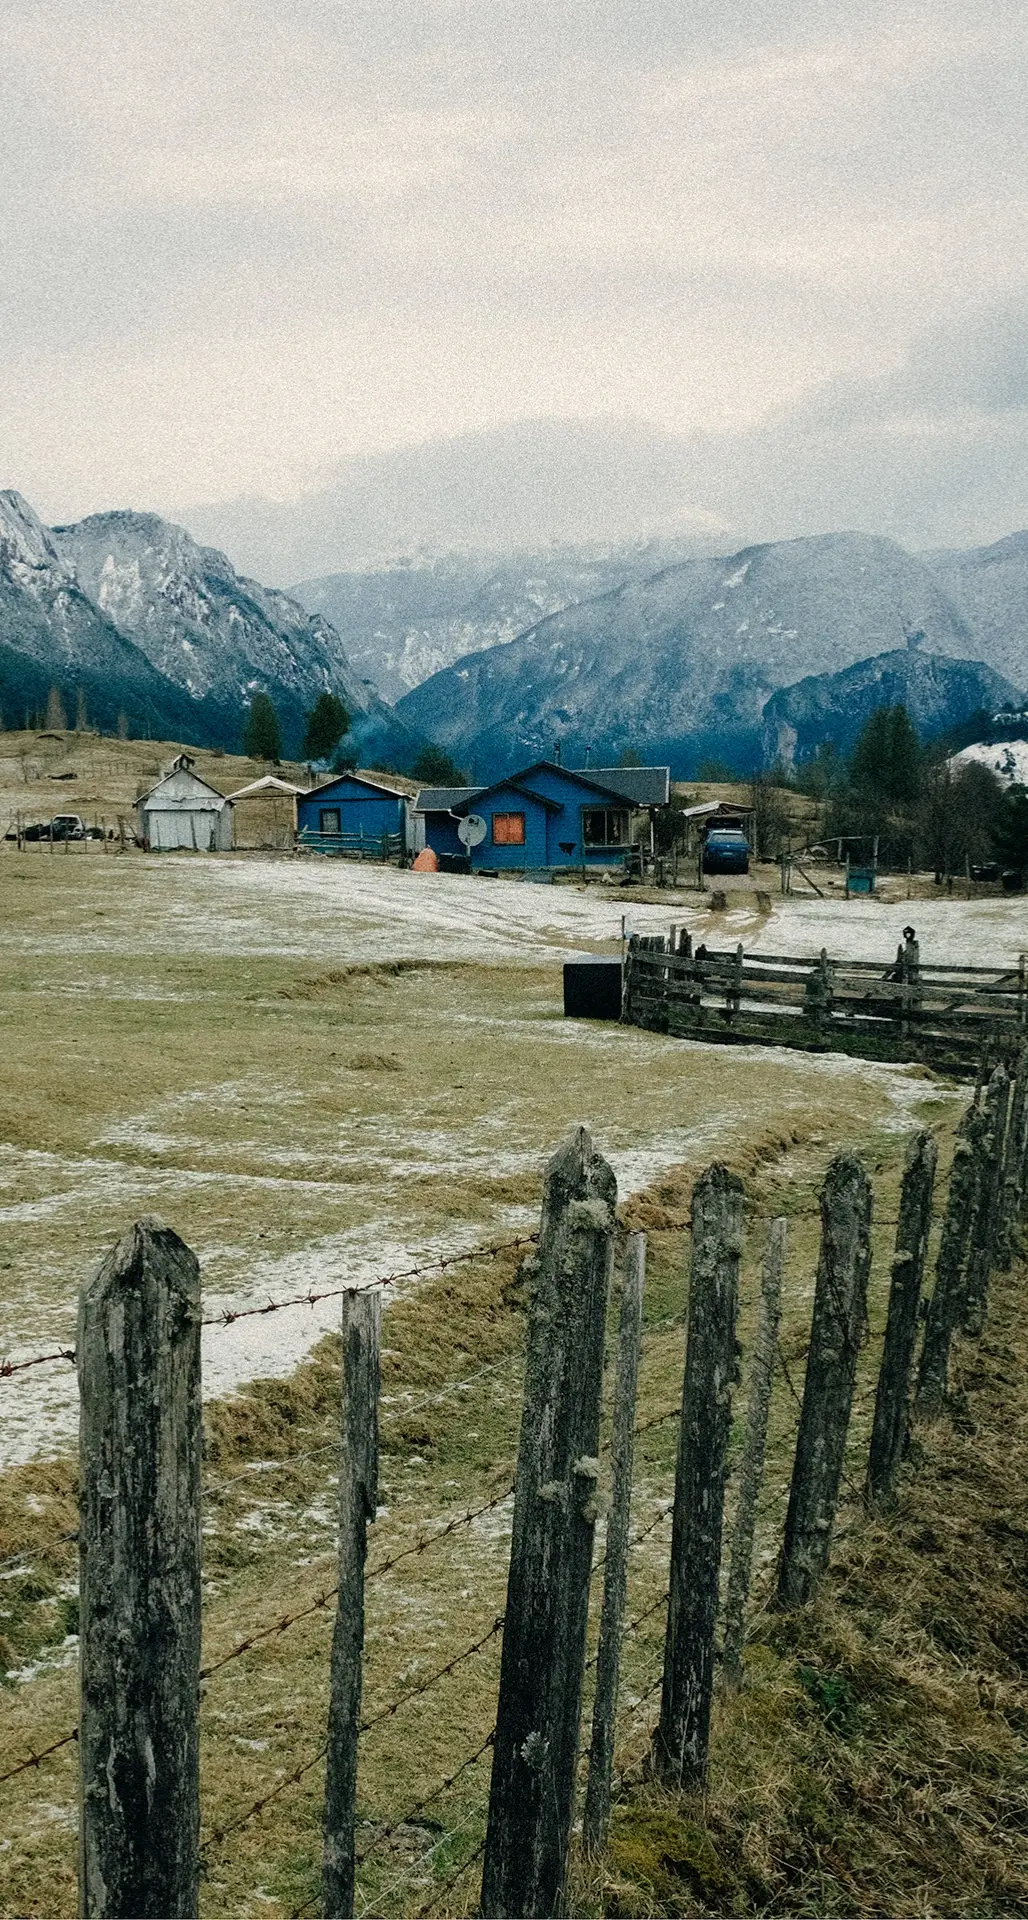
726	850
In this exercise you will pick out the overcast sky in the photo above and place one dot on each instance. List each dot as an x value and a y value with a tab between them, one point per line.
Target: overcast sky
244	243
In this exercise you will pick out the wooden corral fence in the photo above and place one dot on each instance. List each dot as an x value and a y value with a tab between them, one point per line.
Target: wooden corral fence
908	1011
138	1359
383	847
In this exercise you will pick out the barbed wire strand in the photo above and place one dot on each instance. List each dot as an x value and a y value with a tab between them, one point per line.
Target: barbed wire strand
229	1315
220	1834
431	1905
36	1759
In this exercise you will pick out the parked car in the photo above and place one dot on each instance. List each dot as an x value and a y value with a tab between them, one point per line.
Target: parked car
63	826
726	850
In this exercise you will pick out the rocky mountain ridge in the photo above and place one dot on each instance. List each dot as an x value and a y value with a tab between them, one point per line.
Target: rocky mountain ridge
406	622
682	664
937	691
132	611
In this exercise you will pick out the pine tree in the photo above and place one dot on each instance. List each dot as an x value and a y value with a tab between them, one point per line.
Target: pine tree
262	739
81	716
885	767
56	718
1010	832
434	768
327	722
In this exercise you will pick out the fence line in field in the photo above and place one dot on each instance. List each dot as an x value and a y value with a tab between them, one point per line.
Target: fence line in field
912	1010
527	1835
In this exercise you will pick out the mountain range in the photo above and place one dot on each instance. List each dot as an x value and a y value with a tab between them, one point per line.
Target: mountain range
646	647
145	623
680	666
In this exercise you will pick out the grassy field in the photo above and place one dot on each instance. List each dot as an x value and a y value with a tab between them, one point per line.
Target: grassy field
301	1117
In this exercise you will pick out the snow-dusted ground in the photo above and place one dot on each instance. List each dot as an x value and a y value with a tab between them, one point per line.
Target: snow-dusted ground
338	911
326	913
40	1407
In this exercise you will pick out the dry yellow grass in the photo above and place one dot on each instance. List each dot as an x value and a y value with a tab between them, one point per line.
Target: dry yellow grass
368	1093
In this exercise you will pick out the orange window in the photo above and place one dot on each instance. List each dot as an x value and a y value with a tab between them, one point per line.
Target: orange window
508	829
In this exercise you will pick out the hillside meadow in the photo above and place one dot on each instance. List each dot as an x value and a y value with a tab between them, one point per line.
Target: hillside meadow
317	1076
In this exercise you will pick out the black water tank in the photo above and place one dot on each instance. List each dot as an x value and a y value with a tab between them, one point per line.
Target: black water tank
592	990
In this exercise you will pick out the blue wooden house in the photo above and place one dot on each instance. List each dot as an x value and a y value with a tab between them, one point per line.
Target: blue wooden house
354	813
545	817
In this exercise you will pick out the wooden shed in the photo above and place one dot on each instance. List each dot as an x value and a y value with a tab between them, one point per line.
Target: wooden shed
183	811
265	813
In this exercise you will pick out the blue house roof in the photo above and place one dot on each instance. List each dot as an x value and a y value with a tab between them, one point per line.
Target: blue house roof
516	782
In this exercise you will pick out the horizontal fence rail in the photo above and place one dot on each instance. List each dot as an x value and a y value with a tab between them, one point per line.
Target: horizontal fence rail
911	1010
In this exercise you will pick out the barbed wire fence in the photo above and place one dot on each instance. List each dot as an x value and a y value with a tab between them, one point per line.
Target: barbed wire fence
463	1768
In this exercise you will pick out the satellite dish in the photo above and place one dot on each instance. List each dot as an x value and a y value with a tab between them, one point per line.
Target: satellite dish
471	831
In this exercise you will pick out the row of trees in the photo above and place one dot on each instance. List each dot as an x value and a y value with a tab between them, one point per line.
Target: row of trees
327	726
906	797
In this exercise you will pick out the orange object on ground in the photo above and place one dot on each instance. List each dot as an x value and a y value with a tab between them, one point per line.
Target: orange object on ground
427	861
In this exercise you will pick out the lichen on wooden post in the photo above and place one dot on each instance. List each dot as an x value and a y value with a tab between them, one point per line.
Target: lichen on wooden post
596	1813
836	1336
892	1398
555	1508
139	1550
751	1473
681	1740
358	1496
944	1307
988	1213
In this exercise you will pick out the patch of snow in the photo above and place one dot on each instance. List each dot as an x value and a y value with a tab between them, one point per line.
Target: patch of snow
1006	758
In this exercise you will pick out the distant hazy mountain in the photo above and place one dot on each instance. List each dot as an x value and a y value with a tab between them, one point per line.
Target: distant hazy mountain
989	587
516	488
938	693
402	624
680	666
129	609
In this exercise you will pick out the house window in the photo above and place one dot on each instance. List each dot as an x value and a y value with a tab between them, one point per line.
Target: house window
330	820
508	829
604	827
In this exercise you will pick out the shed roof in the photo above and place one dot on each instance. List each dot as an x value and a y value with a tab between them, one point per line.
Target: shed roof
269	784
642	786
445	799
182	788
399	788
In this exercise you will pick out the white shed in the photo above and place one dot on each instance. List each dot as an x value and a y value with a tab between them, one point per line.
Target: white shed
183	811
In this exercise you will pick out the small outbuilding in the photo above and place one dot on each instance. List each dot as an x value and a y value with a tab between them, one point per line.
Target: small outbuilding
362	814
183	811
265	813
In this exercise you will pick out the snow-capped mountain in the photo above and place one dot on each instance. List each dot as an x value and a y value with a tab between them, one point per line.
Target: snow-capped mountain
404	623
201	625
683	663
52	633
130	610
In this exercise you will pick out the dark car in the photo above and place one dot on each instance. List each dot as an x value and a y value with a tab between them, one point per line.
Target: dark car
726	850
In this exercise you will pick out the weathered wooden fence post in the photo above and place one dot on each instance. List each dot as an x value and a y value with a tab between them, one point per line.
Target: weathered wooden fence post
985	1235
358	1496
752	1472
947	1296
596	1814
837	1331
681	1739
555	1505
892	1399
139	1554
1013	1164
